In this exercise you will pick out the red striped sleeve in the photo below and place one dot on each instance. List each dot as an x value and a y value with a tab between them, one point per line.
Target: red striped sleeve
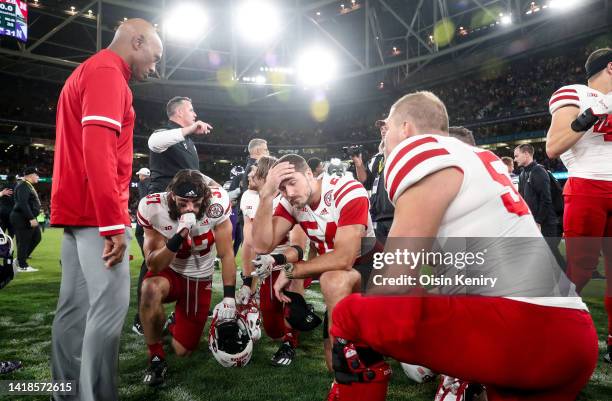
404	151
355	185
284	213
564	97
410	165
143	222
355	212
342	187
560	91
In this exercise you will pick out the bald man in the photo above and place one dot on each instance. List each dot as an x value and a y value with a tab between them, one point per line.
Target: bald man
89	198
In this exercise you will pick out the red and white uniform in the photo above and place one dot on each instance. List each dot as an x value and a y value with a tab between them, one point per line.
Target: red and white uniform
197	254
591	156
249	204
442	332
92	165
587	194
344	201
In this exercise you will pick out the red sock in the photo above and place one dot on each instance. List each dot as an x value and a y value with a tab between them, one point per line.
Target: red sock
156	349
291	336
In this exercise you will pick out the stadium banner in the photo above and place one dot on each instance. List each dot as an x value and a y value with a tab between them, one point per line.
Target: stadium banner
14	19
496	267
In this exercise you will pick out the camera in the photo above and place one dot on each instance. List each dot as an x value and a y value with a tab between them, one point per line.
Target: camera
353	150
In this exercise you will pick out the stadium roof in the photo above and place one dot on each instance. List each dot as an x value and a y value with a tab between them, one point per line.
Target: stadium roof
373	40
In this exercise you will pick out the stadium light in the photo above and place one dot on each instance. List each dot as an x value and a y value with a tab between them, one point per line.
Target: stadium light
506	19
316	66
257	21
186	22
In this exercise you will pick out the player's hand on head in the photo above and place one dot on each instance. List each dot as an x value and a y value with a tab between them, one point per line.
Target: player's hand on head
226	309
114	249
276	176
186	221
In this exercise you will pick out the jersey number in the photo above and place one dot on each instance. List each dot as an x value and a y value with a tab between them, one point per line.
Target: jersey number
514	204
330	234
153	198
185	250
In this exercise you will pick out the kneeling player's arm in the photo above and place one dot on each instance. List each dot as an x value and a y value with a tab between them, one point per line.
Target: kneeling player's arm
157	254
561	136
347	244
248	254
225	251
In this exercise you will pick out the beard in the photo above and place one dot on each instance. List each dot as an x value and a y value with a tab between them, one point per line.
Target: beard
175	213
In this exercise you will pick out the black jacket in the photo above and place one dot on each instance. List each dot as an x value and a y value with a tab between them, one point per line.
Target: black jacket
534	187
381	207
166	164
143	188
27	203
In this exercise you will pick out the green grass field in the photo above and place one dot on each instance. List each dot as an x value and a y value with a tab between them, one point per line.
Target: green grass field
26	312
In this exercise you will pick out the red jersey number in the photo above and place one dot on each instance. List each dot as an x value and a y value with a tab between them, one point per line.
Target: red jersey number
518	207
153	198
197	241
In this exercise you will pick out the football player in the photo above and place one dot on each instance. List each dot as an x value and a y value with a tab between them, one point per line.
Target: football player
334	213
182	227
581	134
272	309
528	337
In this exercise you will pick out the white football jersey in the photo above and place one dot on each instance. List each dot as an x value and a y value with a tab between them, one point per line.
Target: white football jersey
196	256
591	156
249	204
344	201
486	208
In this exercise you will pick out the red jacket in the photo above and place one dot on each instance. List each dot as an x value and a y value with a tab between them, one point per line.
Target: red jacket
92	166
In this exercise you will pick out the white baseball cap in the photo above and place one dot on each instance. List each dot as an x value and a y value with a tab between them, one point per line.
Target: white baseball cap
144	171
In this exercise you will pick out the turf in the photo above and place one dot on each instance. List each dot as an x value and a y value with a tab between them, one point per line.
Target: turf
26	312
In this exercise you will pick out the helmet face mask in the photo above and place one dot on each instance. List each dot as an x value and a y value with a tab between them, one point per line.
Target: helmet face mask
230	341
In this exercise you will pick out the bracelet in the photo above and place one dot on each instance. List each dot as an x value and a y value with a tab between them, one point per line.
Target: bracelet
174	243
288	268
279	259
229	291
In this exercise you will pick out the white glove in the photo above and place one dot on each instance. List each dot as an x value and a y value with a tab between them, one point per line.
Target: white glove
263	266
226	309
244	295
186	221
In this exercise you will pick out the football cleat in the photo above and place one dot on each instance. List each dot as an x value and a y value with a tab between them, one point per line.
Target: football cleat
156	372
137	328
169	322
284	356
9	366
419	374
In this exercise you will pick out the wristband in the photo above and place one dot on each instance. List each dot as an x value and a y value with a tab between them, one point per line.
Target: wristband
174	243
279	259
248	281
299	250
229	291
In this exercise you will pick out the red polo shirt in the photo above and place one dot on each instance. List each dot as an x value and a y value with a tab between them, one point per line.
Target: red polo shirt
92	166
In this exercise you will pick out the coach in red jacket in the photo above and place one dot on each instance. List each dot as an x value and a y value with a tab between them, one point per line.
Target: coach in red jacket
91	176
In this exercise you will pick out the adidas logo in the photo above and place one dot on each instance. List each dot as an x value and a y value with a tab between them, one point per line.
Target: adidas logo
324	211
190	194
155	359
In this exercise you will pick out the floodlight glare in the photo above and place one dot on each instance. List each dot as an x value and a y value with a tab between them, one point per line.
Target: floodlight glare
316	66
257	21
186	22
506	19
564	4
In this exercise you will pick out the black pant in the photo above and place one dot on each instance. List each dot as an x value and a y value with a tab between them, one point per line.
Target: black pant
28	237
552	235
382	229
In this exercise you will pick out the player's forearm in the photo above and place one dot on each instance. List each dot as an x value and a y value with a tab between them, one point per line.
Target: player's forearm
262	228
362	175
336	260
228	270
159	259
247	259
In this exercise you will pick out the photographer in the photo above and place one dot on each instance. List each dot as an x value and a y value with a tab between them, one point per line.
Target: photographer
372	178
